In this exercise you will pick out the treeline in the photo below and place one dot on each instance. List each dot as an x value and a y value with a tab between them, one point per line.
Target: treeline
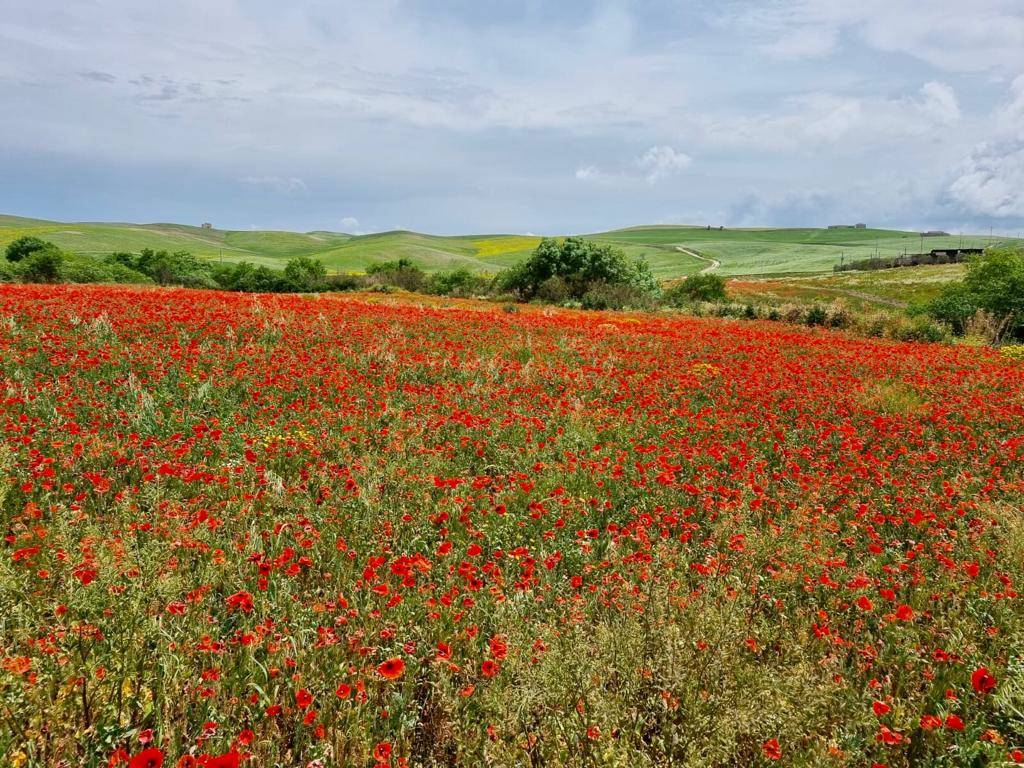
572	272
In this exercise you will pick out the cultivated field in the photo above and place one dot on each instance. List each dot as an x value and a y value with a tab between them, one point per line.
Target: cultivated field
739	251
356	530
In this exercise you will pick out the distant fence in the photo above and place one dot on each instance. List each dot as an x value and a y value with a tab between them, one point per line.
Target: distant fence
935	256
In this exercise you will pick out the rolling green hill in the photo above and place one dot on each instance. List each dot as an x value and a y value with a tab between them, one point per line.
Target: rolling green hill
736	251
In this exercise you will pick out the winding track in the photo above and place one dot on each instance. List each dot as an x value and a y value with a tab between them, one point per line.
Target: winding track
713	264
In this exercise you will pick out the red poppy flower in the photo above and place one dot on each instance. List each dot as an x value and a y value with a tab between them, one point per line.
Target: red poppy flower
303	698
489	668
391	669
241	601
888	736
382	752
772	750
982	681
227	760
147	758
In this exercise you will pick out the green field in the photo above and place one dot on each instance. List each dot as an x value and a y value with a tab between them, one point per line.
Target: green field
740	252
862	291
772	251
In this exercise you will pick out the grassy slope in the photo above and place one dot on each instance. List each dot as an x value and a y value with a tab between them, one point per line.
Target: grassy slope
740	251
877	289
778	251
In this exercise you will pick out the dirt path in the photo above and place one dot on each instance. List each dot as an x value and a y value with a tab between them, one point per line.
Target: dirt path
713	264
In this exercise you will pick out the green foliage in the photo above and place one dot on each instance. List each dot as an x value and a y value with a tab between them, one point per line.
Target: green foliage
457	282
616	296
245	276
994	283
179	268
42	265
401	273
956	305
83	269
703	287
816	315
24	246
581	264
306	274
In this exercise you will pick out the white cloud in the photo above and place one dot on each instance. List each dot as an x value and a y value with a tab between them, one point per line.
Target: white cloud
1010	116
939	101
284	184
350	223
843	123
991	180
657	163
951	35
660	162
803	43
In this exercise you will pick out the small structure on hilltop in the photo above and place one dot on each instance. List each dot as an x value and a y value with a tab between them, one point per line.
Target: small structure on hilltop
858	225
207	225
935	233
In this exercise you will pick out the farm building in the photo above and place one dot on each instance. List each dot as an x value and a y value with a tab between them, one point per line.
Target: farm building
858	225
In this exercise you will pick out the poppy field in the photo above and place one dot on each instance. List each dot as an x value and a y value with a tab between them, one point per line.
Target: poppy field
283	530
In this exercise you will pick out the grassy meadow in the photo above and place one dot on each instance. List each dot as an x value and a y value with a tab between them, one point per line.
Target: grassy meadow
740	252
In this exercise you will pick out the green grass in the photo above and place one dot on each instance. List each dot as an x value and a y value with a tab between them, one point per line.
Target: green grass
746	252
867	290
772	251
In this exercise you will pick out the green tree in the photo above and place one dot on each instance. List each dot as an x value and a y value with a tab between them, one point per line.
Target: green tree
306	274
402	273
23	246
702	287
994	283
581	264
42	265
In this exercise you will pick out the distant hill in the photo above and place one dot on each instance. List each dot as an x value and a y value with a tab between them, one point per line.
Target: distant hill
737	251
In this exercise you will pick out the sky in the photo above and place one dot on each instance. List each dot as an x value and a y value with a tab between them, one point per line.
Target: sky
469	116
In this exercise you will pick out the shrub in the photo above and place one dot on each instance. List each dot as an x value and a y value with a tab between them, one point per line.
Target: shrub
86	269
456	282
994	283
581	264
554	290
306	274
179	268
42	265
704	287
920	328
956	305
24	246
616	296
816	315
400	274
244	276
345	282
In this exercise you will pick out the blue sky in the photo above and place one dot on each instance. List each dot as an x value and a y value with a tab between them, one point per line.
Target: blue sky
455	116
